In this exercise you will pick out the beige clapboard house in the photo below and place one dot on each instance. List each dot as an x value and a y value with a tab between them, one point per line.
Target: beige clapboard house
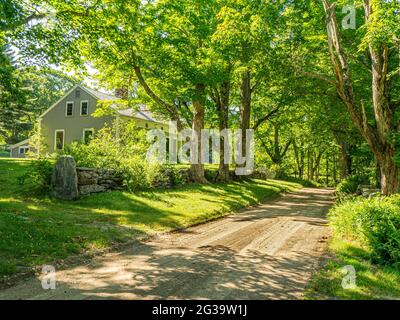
71	119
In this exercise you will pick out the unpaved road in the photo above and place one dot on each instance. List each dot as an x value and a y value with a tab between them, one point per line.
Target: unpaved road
266	252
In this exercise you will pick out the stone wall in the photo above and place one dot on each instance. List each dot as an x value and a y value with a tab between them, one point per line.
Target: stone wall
98	180
171	177
69	182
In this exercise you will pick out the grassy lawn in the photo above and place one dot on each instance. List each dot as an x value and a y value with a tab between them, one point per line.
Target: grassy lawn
4	153
372	282
38	231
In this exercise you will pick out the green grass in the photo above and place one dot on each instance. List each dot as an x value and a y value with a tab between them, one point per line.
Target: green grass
372	282
4	153
37	231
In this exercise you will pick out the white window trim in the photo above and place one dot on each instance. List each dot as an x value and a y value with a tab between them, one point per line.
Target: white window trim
87	129
23	147
66	108
55	138
84	115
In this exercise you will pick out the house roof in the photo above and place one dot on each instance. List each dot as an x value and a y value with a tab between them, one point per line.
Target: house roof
25	142
94	93
142	113
139	114
99	95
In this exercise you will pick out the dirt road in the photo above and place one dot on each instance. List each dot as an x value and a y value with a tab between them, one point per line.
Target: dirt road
266	252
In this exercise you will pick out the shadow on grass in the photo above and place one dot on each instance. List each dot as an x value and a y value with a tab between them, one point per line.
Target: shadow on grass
372	281
35	231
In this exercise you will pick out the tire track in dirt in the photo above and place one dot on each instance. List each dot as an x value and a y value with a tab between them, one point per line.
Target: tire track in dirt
265	252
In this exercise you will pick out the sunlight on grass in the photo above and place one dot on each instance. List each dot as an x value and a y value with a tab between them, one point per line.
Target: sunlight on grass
372	282
36	231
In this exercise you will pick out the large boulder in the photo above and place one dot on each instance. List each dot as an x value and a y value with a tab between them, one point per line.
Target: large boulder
64	180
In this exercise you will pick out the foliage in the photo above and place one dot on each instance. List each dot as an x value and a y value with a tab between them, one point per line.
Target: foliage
161	51
372	281
121	147
36	179
350	185
36	231
375	222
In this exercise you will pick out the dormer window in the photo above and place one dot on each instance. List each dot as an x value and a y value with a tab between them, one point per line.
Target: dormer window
84	108
69	110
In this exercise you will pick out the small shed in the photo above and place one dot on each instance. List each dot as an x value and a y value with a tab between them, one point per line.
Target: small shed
19	149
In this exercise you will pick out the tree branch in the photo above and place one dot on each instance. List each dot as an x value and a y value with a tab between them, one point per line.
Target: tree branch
170	108
266	117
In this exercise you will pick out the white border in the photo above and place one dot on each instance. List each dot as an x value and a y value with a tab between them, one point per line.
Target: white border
80	111
55	138
23	147
83	133
66	108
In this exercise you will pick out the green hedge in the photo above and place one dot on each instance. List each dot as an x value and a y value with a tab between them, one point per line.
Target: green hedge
350	184
375	222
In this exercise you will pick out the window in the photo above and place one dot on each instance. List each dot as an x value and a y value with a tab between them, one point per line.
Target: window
23	150
59	140
87	135
84	108
77	93
69	109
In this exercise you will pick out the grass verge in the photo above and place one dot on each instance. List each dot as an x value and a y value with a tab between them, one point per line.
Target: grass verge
38	231
372	282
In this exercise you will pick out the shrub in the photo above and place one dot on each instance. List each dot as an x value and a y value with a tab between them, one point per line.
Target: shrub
375	222
173	175
350	185
125	154
37	178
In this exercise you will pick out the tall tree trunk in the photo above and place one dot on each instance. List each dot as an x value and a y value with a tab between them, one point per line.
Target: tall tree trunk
298	159
318	164
389	174
378	175
245	107
345	160
309	164
198	124
345	154
334	169
376	136
277	152
223	117
327	170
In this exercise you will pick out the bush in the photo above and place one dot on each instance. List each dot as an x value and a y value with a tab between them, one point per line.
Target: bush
37	178
350	185
375	222
125	154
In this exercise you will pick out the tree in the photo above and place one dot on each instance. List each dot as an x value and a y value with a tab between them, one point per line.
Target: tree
380	43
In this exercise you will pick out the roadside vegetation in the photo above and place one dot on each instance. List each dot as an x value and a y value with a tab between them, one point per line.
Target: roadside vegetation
35	231
320	88
366	235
